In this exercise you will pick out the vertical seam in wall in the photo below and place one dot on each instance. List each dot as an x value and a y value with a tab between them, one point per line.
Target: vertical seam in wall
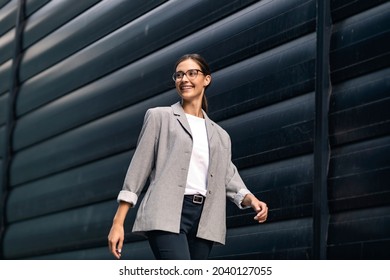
11	116
321	131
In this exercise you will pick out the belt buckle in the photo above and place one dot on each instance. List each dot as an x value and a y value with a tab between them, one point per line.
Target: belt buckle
197	199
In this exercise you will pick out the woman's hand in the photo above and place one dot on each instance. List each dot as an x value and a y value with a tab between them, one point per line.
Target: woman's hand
115	240
117	232
260	207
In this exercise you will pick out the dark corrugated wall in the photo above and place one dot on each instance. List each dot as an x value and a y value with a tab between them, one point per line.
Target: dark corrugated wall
359	117
90	70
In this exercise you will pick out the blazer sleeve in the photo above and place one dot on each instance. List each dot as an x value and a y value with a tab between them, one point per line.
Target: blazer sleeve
235	186
142	162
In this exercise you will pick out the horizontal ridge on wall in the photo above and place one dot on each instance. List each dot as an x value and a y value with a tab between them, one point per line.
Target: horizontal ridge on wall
87	184
358	175
68	230
7	30
139	250
286	183
342	9
359	108
3	108
360	44
283	240
38	24
345	242
251	84
51	17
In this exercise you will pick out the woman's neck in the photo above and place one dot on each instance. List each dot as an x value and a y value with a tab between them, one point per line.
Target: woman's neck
193	108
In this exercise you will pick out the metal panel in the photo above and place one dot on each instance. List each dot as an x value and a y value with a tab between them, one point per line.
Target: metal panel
359	175
284	240
279	132
360	234
360	108
139	250
105	17
342	9
8	16
6	47
84	185
273	76
8	20
5	76
360	44
3	3
2	139
60	231
359	132
286	185
89	74
3	108
52	16
10	116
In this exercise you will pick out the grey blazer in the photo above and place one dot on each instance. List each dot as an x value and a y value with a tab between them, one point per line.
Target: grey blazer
163	155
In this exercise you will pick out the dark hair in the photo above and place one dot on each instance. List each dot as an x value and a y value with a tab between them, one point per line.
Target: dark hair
203	66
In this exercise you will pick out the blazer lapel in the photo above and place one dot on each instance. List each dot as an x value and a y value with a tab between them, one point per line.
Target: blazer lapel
209	127
213	144
179	113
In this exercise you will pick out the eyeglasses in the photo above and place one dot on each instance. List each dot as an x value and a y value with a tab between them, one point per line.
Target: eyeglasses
191	74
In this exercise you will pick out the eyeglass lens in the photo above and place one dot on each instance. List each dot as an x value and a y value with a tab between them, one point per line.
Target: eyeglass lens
191	74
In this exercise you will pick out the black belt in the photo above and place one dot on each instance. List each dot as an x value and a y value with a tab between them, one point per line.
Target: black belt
196	198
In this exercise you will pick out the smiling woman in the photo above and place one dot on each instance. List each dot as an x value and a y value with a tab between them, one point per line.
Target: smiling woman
183	211
192	62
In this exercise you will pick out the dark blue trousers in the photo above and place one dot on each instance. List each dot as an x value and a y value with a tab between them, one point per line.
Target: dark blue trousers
185	245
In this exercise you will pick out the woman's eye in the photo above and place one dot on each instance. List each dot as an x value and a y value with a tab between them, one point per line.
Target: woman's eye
192	73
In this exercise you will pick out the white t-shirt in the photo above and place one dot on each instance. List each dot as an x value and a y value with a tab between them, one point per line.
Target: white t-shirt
199	163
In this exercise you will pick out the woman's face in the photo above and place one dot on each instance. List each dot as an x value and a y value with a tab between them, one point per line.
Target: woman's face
190	88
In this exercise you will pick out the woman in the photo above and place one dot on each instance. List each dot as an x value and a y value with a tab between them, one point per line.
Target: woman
187	159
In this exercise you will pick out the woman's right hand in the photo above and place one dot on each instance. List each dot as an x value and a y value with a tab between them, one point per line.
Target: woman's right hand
115	240
117	232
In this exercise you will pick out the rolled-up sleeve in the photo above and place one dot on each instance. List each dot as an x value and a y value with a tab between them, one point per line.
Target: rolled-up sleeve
143	161
235	186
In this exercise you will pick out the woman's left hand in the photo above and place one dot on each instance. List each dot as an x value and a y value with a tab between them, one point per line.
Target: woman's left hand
259	206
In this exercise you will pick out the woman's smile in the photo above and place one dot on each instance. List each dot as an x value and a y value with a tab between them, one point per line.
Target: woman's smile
186	87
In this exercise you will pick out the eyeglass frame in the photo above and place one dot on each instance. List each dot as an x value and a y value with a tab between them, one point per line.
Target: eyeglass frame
185	73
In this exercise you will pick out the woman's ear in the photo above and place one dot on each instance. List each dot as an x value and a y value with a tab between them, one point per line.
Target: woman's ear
207	80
